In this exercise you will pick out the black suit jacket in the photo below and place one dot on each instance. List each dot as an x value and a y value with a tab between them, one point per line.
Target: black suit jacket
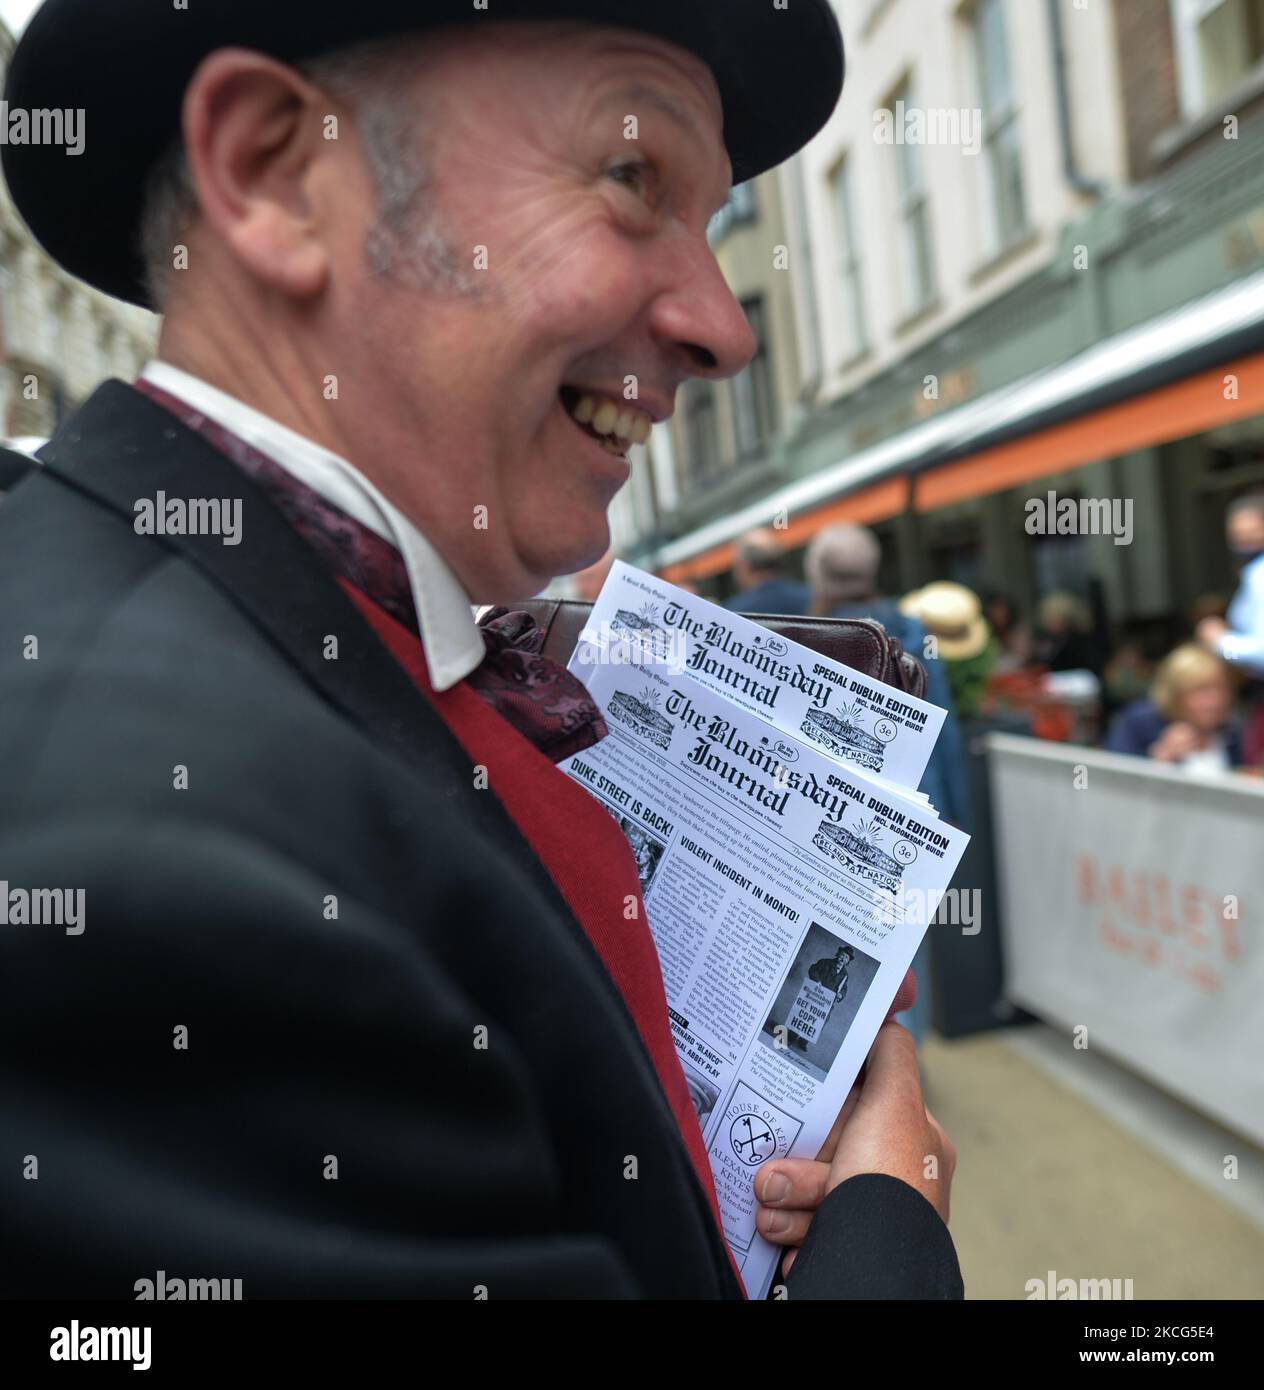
316	1044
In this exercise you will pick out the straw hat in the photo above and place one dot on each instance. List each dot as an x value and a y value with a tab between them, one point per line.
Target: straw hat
953	615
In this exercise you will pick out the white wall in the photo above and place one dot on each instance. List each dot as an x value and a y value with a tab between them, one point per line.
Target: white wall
932	40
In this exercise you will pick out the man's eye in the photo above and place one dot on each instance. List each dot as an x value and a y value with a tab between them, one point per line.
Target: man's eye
636	175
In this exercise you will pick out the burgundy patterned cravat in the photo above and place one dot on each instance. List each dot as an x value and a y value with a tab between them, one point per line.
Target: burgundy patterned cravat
539	697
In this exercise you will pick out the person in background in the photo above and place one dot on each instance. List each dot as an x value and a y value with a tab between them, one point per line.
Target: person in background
1128	674
1188	718
763	585
953	616
842	566
1013	636
1064	641
1238	637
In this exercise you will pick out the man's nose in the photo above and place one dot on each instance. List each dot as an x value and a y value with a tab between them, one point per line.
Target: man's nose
699	321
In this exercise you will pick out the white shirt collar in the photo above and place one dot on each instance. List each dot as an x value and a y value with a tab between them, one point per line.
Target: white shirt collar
449	635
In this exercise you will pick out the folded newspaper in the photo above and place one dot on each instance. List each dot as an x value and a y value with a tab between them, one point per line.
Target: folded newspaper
788	865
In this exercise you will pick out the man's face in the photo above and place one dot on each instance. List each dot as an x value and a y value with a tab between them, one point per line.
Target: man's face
598	281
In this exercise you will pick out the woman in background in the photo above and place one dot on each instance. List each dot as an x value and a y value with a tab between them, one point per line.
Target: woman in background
1188	720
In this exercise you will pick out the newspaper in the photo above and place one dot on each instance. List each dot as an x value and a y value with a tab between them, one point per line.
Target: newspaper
787	891
880	730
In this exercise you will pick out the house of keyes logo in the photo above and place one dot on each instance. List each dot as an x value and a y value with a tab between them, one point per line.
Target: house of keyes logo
755	1133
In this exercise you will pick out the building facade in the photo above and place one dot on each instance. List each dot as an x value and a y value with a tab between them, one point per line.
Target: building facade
1024	255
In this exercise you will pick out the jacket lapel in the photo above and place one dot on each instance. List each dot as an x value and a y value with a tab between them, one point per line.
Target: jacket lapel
121	449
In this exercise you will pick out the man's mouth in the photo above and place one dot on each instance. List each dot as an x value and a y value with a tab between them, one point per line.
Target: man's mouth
615	425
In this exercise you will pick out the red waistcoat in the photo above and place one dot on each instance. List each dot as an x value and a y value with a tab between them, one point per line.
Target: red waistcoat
586	854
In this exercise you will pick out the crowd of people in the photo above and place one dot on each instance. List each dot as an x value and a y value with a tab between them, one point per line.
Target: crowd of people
1199	708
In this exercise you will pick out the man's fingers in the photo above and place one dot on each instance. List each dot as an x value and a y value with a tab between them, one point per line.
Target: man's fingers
891	1068
831	1139
782	1227
792	1184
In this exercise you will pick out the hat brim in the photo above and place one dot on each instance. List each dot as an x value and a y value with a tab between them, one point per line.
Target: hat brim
126	64
973	643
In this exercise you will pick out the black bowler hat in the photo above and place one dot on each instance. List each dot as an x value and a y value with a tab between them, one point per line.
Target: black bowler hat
126	63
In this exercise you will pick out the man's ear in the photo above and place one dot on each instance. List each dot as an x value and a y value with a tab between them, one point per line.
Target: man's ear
252	132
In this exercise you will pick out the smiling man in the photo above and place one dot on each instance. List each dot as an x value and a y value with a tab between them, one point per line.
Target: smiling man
369	1005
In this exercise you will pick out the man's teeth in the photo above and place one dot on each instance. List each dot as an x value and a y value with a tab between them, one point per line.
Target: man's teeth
605	417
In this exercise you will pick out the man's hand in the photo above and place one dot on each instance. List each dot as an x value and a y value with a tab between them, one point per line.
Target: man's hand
883	1127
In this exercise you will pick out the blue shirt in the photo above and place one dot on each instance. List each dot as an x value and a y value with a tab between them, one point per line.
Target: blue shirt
773	596
1243	644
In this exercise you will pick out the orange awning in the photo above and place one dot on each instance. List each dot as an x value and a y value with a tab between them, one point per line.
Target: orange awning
1170	412
1176	411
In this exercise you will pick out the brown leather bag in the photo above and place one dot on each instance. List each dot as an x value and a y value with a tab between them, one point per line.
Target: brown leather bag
860	643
